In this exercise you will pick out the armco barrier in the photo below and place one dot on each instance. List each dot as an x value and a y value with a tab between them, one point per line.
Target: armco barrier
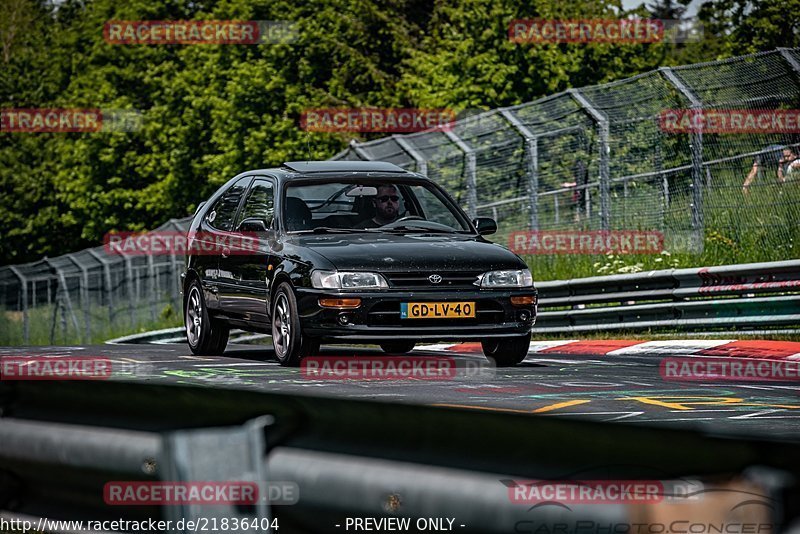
61	442
728	296
760	295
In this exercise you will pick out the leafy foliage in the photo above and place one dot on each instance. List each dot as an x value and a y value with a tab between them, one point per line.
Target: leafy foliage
211	111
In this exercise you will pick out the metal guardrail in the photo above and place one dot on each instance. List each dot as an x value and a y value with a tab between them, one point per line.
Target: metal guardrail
730	296
60	442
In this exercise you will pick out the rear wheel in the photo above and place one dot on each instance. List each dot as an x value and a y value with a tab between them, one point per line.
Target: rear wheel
397	347
290	344
507	351
206	336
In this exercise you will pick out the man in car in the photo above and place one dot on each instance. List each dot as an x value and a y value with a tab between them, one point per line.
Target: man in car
387	207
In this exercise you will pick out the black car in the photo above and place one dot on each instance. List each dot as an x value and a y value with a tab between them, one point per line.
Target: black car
355	252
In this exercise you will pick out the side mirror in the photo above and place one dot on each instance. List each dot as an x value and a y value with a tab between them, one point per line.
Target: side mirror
485	225
252	224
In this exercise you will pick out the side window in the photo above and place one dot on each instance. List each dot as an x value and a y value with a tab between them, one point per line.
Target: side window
222	214
260	203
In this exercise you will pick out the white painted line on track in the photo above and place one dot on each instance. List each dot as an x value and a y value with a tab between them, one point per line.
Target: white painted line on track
675	346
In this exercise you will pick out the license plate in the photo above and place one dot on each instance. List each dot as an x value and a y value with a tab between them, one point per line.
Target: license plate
437	310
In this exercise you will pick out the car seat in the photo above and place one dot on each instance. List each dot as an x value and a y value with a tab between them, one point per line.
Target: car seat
298	215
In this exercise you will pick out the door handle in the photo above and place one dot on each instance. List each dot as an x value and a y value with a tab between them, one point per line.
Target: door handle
226	252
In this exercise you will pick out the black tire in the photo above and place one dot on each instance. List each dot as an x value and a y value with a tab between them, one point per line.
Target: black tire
397	347
290	344
206	336
507	351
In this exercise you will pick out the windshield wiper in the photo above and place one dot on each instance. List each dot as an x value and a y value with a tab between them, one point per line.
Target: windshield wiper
332	230
413	227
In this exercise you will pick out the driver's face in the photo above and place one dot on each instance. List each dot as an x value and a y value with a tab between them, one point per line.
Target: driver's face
387	202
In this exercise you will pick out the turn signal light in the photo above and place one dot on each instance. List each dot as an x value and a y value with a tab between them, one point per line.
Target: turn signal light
340	304
527	300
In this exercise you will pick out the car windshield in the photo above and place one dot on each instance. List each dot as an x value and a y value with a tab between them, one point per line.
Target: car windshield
374	206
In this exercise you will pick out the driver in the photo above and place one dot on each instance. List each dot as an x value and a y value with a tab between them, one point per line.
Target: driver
387	207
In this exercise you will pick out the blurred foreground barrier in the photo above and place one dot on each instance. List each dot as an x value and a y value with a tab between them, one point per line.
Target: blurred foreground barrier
62	443
727	297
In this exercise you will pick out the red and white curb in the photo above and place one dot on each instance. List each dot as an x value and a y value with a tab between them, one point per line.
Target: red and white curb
758	349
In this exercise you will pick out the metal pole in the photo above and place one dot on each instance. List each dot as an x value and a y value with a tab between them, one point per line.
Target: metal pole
107	270
790	59
469	172
532	167
129	285
696	143
84	291
419	160
151	274
360	152
602	129
66	301
24	282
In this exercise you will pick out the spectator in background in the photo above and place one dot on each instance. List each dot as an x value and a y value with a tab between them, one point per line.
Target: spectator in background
783	160
581	174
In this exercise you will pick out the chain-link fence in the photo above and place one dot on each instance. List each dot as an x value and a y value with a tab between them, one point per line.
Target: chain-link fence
601	158
90	295
596	158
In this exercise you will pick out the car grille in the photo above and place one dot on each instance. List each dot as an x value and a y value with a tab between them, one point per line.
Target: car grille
388	314
450	280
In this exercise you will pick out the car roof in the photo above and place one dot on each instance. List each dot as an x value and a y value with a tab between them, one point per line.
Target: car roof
308	167
295	170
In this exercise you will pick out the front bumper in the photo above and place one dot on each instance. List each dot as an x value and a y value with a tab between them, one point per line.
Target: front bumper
378	317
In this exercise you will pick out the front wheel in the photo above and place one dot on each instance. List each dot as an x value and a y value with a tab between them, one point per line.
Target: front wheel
397	347
290	344
206	336
507	351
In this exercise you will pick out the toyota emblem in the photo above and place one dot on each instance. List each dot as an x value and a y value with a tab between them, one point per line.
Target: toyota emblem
435	279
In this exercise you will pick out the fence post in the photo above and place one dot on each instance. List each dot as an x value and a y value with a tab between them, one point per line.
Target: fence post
469	170
87	316
532	159
360	152
66	304
129	283
696	144
602	129
109	289
151	275
790	59
419	160
24	282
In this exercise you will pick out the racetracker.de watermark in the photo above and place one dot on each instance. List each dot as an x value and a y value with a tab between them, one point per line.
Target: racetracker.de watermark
585	31
729	369
55	368
180	493
392	120
393	368
588	242
730	121
602	491
171	243
195	32
69	120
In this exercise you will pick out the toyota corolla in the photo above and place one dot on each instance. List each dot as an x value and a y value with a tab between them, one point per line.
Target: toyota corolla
350	252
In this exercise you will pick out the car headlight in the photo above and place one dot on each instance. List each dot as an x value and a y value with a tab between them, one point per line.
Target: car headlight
519	278
347	280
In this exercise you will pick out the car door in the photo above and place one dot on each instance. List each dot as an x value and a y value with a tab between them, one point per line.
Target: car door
251	254
218	227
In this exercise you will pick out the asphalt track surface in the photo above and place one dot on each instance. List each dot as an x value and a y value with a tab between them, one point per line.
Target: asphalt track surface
627	388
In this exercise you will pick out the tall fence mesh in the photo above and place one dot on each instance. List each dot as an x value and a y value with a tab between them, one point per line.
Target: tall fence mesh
595	158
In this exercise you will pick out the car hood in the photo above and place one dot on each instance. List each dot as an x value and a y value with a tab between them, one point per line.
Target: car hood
409	252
